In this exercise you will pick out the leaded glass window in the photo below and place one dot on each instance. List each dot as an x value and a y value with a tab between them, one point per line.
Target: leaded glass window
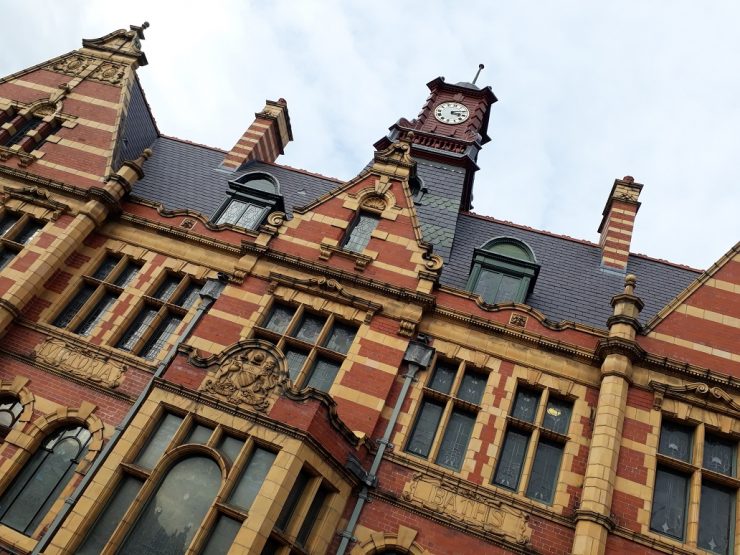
503	270
10	409
314	345
684	460
98	292
16	231
159	316
242	214
539	421
358	236
174	513
669	503
716	518
192	499
293	527
445	433
252	478
42	479
675	441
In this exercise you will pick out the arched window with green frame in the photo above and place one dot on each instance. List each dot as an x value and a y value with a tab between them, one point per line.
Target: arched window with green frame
504	270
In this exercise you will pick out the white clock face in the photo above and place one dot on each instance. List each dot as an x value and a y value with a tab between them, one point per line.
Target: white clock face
451	112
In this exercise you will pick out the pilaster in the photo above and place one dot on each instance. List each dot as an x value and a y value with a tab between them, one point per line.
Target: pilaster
618	351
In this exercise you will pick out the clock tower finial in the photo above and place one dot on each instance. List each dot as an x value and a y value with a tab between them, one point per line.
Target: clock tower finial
477	73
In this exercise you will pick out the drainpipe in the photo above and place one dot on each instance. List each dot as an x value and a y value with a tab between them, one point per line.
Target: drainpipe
208	295
418	356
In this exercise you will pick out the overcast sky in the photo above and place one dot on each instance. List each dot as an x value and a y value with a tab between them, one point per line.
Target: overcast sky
588	92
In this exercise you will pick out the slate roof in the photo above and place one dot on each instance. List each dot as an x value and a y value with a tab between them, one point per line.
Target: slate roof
187	175
571	285
138	128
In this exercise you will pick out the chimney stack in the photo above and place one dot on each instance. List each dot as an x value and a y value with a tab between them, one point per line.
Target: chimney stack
617	223
266	137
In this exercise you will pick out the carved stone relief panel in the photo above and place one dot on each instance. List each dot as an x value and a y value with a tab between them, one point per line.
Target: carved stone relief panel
473	510
80	362
252	378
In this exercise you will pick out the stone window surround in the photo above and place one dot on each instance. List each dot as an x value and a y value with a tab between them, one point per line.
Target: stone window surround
28	438
292	456
700	420
449	401
7	240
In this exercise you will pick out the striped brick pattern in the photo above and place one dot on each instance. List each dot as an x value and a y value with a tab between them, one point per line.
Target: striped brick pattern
266	137
618	222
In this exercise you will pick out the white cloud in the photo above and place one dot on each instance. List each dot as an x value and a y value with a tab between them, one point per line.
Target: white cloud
588	92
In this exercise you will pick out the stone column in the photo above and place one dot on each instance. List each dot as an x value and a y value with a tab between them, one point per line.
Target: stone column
103	201
618	351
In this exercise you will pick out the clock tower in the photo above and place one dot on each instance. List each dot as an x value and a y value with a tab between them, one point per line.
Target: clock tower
451	128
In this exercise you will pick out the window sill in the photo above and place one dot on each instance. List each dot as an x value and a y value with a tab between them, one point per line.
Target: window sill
361	260
13	539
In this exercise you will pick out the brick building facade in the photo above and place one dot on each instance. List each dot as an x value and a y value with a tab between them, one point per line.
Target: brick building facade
209	352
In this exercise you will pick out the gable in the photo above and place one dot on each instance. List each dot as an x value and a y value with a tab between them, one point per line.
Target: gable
702	325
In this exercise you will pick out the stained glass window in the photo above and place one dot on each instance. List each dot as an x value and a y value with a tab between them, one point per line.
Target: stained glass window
96	314
230	446
557	416
298	337
719	455
716	518
669	503
189	295
510	463
137	329
359	235
425	429
222	536
525	404
312	516
28	232
199	434
37	486
175	511
472	386
296	492
242	214
280	318
542	480
545	471
455	440
74	306
340	338
675	441
167	288
106	267
310	328
322	375
160	336
443	377
8	220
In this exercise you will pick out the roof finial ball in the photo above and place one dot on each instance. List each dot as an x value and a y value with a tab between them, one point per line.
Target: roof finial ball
630	281
480	67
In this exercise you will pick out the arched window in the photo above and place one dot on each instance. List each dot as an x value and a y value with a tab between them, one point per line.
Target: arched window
504	270
175	511
251	198
10	409
30	496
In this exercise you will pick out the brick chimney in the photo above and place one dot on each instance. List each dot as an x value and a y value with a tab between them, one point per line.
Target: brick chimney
265	138
617	223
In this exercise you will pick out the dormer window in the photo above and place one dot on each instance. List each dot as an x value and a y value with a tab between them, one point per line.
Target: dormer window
359	234
503	270
251	198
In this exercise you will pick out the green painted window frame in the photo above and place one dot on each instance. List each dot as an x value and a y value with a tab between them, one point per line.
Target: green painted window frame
485	259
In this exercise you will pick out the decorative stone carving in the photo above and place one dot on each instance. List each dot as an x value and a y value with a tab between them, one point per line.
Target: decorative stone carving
518	320
109	73
698	388
249	378
374	202
276	218
433	263
471	509
80	362
71	65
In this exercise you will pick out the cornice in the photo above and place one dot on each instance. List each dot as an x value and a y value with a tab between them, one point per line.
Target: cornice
619	346
528	337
